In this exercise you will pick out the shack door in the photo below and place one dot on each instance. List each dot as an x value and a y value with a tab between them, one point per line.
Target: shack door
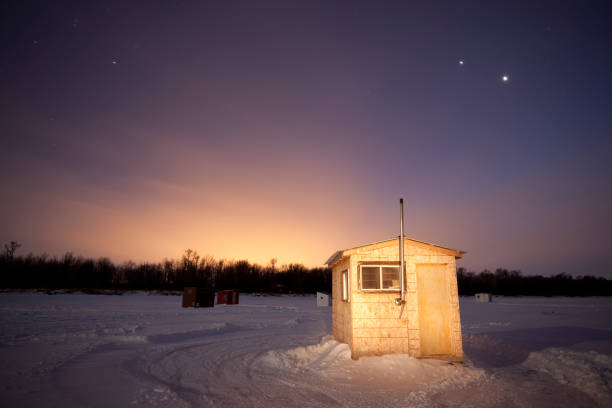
434	310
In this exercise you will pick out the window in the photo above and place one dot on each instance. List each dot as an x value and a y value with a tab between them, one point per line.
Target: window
345	286
380	277
370	277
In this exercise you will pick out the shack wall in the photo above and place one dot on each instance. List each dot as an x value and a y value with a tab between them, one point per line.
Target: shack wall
341	311
378	325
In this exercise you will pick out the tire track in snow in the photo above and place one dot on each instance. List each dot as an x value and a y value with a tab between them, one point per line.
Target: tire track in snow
225	370
211	367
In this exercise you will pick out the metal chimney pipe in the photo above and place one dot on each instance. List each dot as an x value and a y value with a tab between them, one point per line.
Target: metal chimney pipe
402	299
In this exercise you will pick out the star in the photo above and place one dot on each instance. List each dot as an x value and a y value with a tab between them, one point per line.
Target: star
460	62
505	78
114	62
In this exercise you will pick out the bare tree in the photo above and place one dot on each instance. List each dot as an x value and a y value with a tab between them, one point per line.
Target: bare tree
190	259
9	249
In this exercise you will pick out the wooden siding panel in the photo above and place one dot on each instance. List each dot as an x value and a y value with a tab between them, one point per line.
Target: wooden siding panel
379	346
375	297
365	323
380	332
376	310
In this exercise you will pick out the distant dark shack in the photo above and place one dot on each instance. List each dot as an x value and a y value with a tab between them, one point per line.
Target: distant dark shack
198	297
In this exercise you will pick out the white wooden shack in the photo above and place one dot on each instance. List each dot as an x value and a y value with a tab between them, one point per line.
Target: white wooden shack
323	299
368	315
483	297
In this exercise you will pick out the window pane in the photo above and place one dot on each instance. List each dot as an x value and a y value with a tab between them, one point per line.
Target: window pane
390	277
370	277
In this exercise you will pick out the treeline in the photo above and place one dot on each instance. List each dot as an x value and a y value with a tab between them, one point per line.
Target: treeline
75	272
513	283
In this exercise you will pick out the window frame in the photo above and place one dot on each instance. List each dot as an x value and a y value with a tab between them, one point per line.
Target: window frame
380	265
345	286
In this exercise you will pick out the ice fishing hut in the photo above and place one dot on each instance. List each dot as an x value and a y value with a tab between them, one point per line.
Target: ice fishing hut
377	310
483	297
228	297
323	299
198	297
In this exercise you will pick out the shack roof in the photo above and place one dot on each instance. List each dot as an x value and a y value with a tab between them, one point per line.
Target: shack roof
336	256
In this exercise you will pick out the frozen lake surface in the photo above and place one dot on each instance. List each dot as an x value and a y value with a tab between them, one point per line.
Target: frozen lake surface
77	350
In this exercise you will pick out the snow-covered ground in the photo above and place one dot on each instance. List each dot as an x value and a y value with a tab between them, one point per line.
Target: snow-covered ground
77	350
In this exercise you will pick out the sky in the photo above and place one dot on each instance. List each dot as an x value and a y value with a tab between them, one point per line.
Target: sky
289	130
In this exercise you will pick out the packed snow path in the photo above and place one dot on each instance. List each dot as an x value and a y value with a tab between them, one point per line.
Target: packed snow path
109	351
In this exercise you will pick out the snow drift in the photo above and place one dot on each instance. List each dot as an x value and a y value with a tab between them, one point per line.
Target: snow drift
85	350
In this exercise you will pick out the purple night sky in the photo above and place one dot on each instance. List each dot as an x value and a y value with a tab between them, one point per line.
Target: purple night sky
258	130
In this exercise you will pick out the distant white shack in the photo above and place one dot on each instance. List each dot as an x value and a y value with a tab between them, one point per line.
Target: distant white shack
483	297
366	286
323	299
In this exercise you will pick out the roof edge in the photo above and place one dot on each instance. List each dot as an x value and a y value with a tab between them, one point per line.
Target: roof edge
340	253
334	258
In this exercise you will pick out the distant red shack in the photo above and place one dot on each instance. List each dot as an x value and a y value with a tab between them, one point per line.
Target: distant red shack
228	297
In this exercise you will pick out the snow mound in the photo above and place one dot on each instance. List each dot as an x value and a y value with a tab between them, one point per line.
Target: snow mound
308	357
589	372
330	359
